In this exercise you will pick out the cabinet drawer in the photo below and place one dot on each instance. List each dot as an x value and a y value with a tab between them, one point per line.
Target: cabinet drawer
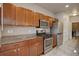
8	46
22	43
12	52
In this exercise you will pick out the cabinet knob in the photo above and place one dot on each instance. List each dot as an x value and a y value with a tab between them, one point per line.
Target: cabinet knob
15	50
18	49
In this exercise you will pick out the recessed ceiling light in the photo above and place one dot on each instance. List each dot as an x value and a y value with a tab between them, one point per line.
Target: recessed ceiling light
75	51
66	6
74	14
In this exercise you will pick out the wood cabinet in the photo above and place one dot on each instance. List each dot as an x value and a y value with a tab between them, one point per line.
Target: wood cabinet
29	17
50	20
54	41
32	47
20	16
36	46
23	51
13	15
9	14
23	48
42	16
12	52
0	16
40	46
8	50
36	19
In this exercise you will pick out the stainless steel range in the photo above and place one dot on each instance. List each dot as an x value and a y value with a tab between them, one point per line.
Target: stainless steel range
47	43
47	40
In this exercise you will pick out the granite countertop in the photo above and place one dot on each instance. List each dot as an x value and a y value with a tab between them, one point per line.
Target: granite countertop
17	38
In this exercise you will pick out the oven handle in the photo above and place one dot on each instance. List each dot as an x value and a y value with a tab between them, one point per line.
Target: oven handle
48	39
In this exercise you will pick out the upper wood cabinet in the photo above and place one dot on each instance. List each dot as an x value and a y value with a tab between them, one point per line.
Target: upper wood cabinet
9	14
42	16
0	16
13	15
29	17
50	20
20	16
36	19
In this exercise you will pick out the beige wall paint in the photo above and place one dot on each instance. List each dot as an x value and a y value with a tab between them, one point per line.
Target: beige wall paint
66	25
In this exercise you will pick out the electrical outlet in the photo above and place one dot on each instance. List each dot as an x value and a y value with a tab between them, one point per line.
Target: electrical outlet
10	31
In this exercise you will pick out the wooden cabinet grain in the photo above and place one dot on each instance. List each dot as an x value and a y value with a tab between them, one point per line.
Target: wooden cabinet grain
0	16
12	52
20	16
32	47
9	14
23	48
40	46
23	51
36	47
8	50
29	17
36	19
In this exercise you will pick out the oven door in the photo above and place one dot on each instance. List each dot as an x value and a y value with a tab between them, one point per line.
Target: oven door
47	43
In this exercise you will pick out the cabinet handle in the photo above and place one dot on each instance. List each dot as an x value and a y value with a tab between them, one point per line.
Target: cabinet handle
18	49
15	50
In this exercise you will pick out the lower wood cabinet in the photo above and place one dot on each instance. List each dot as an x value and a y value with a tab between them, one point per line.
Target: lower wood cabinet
32	47
23	51
12	52
33	50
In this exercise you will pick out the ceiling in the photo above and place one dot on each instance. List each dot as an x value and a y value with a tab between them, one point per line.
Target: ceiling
59	7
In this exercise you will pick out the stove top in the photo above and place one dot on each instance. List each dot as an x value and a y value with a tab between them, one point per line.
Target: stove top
45	36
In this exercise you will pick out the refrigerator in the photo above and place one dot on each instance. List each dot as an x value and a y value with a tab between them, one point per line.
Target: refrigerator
57	33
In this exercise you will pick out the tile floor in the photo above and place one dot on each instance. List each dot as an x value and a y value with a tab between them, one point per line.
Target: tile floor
67	49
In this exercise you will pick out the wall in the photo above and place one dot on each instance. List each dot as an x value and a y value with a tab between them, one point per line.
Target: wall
35	8
67	24
74	18
64	17
13	30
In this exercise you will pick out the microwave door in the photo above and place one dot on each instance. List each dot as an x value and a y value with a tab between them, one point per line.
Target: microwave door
43	24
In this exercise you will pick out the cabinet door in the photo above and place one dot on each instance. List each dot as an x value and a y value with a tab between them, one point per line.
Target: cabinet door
0	16
41	16
20	16
50	21
33	50
40	46
29	17
12	52
23	48
36	19
33	47
23	51
9	14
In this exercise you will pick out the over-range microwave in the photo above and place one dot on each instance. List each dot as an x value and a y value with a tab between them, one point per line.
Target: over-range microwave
43	24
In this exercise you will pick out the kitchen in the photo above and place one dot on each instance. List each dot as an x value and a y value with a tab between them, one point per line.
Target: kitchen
29	30
18	36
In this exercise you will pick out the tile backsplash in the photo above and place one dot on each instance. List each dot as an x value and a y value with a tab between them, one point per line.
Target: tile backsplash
18	30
